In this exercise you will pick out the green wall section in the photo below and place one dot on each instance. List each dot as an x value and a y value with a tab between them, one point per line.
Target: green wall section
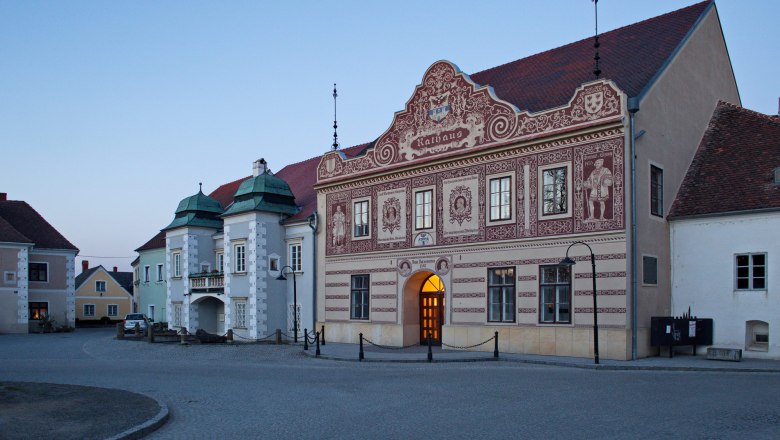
154	292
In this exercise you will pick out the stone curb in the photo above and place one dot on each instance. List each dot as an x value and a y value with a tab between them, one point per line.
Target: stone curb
147	427
554	363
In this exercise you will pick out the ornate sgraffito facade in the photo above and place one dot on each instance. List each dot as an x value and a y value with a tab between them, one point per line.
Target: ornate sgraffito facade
463	183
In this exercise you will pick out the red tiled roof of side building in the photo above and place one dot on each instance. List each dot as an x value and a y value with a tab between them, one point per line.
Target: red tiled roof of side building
732	170
156	242
630	56
224	193
30	224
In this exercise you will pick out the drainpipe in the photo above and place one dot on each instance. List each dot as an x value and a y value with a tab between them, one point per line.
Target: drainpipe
313	224
633	108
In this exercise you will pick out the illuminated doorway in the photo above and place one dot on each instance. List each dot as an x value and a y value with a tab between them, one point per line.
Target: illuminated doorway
431	310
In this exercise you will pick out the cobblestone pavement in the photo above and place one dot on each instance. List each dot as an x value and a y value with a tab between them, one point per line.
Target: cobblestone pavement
267	391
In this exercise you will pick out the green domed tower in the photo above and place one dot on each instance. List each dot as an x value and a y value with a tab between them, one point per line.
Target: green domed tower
198	210
263	192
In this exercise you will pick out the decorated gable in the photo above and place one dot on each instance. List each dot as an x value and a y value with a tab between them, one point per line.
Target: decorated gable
449	114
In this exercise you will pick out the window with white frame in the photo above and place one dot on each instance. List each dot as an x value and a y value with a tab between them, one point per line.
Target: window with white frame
423	209
9	277
136	277
750	271
656	191
500	198
240	307
100	286
501	294
177	315
362	218
295	257
38	272
113	310
221	261
273	264
160	273
555	294
176	257
359	297
554	191
239	257
89	310
146	274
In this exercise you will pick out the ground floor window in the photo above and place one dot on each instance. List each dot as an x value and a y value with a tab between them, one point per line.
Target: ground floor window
501	294
113	310
89	310
240	321
359	297
38	310
555	294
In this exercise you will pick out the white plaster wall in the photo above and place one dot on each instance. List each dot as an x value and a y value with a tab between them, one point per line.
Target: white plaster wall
703	276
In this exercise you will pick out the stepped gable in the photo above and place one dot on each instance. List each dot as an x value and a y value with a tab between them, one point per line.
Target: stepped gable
732	168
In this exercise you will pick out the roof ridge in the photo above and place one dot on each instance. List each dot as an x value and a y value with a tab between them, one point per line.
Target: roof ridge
770	118
657	17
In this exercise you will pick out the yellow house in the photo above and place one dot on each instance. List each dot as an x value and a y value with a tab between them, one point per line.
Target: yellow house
102	295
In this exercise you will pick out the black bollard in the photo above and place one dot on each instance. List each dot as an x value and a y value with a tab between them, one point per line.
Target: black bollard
306	339
361	356
317	353
495	346
430	349
323	335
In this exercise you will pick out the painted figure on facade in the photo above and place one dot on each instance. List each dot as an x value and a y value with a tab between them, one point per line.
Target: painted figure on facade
339	227
442	266
598	182
460	205
391	219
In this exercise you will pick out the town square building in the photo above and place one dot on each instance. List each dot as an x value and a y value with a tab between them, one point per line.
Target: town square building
454	221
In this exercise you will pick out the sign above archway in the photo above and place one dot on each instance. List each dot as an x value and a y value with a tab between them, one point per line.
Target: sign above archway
449	114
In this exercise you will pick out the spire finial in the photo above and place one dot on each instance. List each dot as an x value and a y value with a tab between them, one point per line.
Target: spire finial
335	125
200	186
596	58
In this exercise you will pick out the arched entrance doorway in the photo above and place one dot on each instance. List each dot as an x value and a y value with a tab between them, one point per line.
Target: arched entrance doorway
211	314
431	309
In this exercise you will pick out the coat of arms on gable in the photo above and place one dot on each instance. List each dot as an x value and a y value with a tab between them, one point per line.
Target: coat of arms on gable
391	215
460	205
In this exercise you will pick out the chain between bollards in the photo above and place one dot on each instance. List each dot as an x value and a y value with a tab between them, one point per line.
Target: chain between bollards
495	346
430	349
317	353
361	356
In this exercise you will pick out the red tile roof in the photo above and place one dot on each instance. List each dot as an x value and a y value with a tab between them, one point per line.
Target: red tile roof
630	56
732	169
156	242
22	222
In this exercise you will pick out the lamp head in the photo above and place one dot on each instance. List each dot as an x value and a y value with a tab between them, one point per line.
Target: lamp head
568	262
281	277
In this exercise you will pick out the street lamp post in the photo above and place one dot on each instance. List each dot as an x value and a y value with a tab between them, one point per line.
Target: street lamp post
569	262
281	277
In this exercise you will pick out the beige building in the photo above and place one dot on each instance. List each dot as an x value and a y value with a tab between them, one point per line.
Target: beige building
455	220
103	296
37	266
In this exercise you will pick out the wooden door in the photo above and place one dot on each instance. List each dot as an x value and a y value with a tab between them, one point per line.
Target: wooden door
431	312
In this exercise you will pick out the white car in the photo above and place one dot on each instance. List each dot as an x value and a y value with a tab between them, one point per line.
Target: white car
133	318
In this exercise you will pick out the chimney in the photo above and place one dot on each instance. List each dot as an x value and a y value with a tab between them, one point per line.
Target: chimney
259	167
114	268
3	197
84	266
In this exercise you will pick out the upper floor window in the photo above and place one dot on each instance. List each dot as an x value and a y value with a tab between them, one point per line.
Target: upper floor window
239	257
656	191
9	277
146	274
295	257
501	294
555	294
38	271
100	286
176	264
500	198
361	218
160	273
751	271
423	209
554	191
221	261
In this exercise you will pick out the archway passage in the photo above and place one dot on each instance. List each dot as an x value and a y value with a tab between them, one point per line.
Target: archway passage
431	310
211	315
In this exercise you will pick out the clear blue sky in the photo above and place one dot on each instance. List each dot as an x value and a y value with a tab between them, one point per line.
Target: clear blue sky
112	112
